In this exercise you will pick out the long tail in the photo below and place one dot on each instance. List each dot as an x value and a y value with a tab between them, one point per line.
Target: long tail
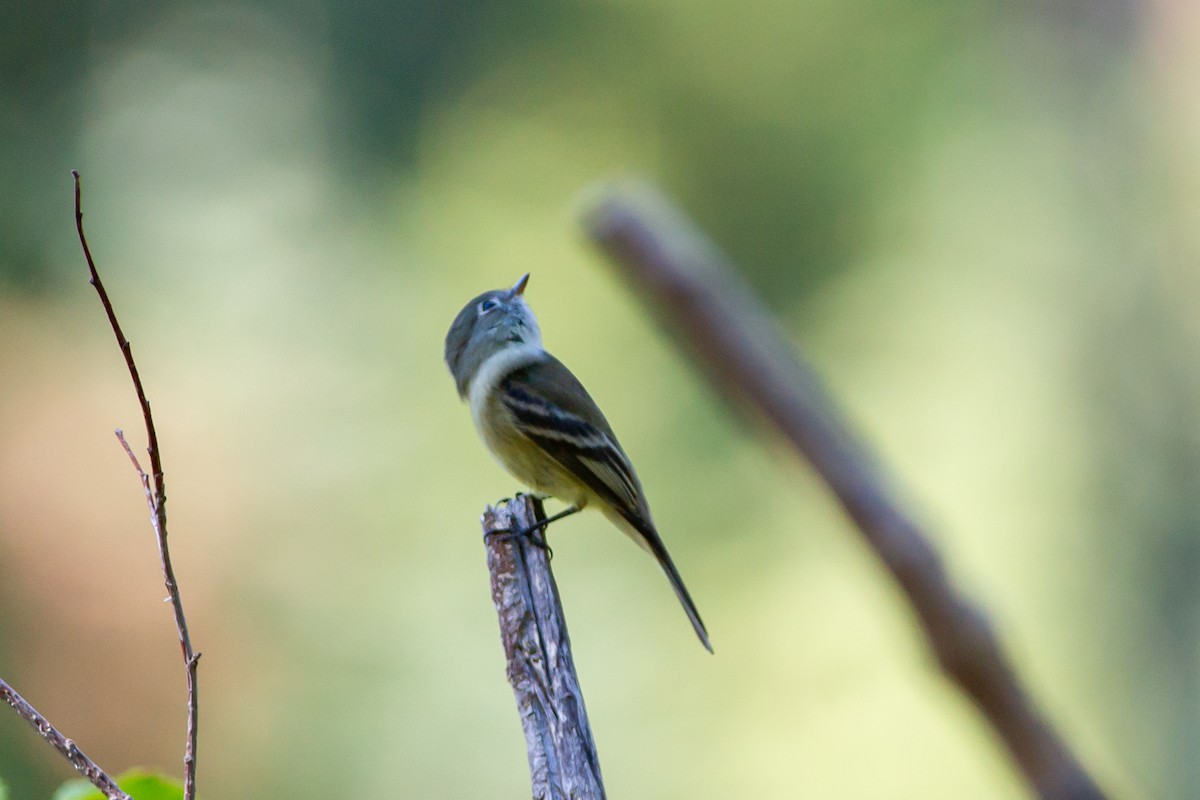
642	531
681	592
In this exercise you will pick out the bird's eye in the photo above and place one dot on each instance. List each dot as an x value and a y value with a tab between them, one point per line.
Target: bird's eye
487	305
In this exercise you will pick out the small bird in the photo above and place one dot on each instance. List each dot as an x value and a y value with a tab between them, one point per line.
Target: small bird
543	426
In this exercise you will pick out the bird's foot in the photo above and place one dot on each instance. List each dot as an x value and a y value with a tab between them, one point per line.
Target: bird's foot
518	496
529	534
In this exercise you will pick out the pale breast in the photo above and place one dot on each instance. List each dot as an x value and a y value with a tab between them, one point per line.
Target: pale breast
517	453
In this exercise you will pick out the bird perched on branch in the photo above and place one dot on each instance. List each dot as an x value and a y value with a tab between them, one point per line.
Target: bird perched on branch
543	426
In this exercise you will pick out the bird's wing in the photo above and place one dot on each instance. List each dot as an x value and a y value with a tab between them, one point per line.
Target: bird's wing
551	407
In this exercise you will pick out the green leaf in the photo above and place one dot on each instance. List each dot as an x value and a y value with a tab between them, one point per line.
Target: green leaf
137	783
77	790
3	790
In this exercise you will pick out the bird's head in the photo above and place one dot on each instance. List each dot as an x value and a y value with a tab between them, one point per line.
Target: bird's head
488	324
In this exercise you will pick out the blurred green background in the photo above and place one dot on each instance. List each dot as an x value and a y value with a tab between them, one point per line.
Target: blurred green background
979	220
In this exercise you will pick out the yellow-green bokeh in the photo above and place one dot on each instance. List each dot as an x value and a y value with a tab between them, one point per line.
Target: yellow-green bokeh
977	222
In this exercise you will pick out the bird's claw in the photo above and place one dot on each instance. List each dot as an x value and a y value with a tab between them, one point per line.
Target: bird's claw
529	534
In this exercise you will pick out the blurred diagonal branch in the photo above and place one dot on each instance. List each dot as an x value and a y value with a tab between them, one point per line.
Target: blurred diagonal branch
562	754
86	767
156	499
690	286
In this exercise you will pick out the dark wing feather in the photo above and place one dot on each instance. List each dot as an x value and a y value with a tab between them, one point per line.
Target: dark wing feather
551	407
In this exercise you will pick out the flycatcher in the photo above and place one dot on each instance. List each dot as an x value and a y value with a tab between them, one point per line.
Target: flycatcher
543	426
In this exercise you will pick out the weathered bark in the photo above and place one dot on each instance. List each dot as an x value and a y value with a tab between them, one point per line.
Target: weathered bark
562	754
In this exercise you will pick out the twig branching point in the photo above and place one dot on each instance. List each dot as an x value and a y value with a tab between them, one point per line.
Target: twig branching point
562	754
697	293
156	499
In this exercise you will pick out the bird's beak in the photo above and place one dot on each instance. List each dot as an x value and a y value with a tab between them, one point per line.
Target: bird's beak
518	288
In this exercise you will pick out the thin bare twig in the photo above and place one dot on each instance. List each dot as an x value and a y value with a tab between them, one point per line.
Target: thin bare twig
694	289
157	501
562	754
86	767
